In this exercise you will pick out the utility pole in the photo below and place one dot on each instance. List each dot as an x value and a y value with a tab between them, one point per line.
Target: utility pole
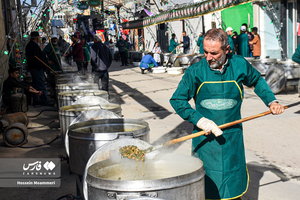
3	67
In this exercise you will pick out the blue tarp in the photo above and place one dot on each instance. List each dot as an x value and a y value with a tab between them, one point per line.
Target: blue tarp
57	22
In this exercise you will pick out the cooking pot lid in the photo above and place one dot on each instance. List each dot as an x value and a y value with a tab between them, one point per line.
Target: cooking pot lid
94	100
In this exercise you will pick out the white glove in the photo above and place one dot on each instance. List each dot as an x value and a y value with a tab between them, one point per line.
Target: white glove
208	125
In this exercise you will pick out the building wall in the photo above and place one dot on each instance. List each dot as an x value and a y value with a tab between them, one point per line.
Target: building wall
3	72
269	40
149	39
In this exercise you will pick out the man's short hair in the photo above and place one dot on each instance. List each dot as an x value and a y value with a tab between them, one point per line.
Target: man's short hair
217	35
12	70
184	32
173	35
254	29
75	36
34	35
43	38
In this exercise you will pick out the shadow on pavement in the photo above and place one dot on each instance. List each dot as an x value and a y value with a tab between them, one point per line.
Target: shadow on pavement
116	66
183	129
256	172
143	100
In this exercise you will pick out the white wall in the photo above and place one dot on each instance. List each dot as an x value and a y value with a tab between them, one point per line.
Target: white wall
149	40
269	43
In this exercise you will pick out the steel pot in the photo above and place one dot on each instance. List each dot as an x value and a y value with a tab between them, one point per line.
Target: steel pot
161	179
75	86
249	59
292	69
86	137
167	58
88	115
67	98
262	65
174	59
275	78
195	59
73	78
68	113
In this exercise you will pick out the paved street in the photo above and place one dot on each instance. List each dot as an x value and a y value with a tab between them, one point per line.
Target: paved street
271	142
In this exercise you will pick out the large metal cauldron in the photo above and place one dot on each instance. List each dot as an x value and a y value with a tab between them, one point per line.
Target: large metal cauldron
275	78
249	59
174	59
73	78
67	98
76	86
292	69
167	58
167	176
136	56
68	113
262	65
86	137
187	61
282	74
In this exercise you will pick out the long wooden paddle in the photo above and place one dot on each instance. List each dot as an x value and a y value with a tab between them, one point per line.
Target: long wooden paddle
184	138
52	47
47	65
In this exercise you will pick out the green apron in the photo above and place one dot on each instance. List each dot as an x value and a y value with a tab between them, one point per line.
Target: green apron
224	156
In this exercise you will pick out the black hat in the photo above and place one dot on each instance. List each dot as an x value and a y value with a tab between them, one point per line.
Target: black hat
34	34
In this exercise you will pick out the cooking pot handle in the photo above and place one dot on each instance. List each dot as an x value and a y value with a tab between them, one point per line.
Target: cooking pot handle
122	134
94	105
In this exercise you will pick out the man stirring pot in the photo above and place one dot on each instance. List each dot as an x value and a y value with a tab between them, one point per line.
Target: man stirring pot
216	85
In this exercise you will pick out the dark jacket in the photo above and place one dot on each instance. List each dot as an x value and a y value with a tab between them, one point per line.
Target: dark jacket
77	52
186	42
9	84
32	50
101	57
121	48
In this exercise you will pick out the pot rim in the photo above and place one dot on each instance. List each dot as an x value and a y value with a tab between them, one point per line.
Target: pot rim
108	122
147	185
